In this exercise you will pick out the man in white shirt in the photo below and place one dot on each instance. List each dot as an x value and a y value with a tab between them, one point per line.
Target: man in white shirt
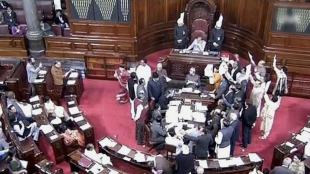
198	45
143	70
32	73
100	158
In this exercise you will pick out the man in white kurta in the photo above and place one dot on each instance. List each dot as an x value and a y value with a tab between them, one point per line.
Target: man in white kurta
257	93
222	141
198	45
143	70
268	113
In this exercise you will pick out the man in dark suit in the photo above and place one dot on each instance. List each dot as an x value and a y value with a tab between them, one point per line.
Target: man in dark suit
202	142
248	117
229	97
284	168
155	88
235	123
158	133
184	162
222	89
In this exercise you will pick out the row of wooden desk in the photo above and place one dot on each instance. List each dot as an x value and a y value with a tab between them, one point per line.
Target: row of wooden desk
294	145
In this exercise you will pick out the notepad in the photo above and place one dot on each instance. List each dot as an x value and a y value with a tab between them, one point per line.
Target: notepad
71	82
74	110
42	72
37	111
85	126
73	75
107	142
203	163
254	157
124	150
38	80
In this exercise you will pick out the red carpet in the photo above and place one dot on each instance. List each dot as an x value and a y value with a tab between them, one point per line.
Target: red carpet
113	119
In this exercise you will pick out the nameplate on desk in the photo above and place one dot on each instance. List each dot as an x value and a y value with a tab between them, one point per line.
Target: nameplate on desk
38	80
71	82
107	142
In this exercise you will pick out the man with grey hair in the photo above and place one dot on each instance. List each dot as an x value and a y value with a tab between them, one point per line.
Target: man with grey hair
284	169
192	79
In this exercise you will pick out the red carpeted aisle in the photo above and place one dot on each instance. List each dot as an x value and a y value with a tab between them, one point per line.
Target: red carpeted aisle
110	118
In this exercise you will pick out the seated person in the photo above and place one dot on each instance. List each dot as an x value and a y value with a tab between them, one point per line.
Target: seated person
11	20
61	20
58	77
46	28
158	133
55	110
198	45
22	127
297	166
284	169
162	165
4	5
71	135
192	79
100	158
24	109
16	166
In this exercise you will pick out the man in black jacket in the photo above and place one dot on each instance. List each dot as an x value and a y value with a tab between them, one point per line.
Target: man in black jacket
248	116
155	88
203	143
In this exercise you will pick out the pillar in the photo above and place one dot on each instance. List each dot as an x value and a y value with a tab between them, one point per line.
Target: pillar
34	33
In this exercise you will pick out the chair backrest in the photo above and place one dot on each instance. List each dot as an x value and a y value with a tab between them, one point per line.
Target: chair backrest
200	24
199	33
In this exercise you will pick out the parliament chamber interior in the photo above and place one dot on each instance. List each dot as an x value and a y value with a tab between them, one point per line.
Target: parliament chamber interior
155	86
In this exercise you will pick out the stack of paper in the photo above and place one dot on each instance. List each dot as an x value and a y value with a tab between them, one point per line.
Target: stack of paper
237	161
199	117
113	172
254	157
124	150
203	163
172	114
107	142
71	82
77	119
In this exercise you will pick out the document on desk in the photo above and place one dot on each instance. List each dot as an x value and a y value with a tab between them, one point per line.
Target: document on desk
34	99
237	161
203	163
71	82
303	136
96	169
46	128
77	119
124	150
139	157
289	144
150	158
71	102
174	102
74	110
223	163
113	172
186	112
37	111
172	114
73	75
85	126
254	157
53	137
307	129
107	142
